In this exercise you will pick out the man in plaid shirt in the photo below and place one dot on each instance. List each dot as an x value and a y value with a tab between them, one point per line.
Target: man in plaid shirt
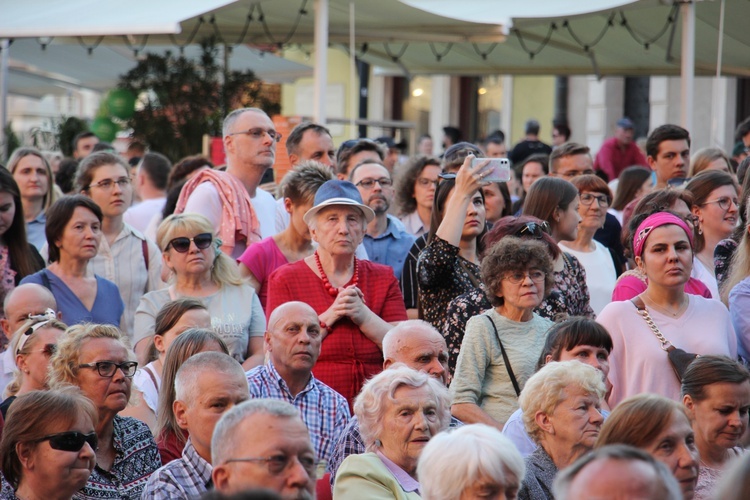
206	386
292	342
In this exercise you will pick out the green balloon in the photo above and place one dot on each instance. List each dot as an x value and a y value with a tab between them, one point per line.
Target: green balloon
121	103
105	129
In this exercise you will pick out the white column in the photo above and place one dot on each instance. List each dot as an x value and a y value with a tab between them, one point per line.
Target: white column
687	71
320	71
4	61
440	109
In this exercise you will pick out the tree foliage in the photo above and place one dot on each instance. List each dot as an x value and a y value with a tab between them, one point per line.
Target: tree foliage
182	99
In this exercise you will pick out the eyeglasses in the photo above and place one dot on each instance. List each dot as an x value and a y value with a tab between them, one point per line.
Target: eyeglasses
108	184
370	183
70	441
447	177
691	219
278	463
588	199
182	244
533	230
258	133
424	182
724	202
108	368
517	277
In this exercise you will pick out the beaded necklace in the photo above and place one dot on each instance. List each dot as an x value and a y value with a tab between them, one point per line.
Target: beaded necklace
332	291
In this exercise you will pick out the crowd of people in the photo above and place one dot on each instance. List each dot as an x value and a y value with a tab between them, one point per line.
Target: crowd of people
373	328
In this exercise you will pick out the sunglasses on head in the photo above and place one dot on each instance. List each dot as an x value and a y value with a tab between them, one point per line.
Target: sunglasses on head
70	441
182	244
533	230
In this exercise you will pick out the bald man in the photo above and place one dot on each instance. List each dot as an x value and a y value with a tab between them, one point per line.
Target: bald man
416	344
292	343
21	303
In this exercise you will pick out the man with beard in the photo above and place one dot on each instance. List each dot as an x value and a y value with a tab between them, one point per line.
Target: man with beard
387	241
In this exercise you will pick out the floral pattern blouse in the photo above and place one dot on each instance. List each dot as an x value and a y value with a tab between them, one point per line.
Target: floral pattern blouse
443	275
569	297
723	254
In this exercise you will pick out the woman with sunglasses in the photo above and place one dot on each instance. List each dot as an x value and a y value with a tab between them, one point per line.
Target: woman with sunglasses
33	344
49	445
475	302
555	201
74	231
449	264
125	256
202	271
97	359
501	347
600	263
717	210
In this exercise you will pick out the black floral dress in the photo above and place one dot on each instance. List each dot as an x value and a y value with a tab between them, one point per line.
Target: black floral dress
443	275
569	297
723	254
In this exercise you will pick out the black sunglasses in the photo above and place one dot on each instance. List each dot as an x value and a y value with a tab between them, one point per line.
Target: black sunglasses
533	230
70	441
182	244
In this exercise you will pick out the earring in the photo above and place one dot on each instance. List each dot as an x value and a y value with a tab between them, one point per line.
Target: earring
378	443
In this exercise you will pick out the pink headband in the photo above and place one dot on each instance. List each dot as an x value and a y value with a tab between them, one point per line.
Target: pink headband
652	222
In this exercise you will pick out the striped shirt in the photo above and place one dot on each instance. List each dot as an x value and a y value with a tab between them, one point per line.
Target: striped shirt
183	478
124	264
324	411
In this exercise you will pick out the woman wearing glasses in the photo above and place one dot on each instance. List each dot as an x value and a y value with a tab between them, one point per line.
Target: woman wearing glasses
501	347
415	193
125	256
74	231
49	444
97	359
599	262
33	344
717	209
202	271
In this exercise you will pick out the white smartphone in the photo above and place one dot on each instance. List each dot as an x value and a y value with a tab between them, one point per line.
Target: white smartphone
498	168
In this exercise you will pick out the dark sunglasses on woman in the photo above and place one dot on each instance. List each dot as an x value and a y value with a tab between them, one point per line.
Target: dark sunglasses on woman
70	441
182	244
533	230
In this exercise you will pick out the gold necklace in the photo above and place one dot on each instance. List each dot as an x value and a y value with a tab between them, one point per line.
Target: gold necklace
679	311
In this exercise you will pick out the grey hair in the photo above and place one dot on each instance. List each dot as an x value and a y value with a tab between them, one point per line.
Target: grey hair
378	393
229	120
313	224
668	485
404	330
224	438
546	389
453	461
186	381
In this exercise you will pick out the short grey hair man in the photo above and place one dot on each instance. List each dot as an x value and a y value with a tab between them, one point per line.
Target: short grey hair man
263	443
621	469
206	386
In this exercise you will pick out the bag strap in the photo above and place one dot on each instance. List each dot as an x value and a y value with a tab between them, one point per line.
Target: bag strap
144	251
506	360
153	378
472	278
45	280
666	345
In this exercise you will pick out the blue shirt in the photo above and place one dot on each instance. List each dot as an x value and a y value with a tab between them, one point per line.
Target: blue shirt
324	411
391	247
35	231
108	306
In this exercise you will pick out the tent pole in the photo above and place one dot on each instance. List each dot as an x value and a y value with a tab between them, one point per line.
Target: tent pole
717	98
4	63
320	71
353	83
687	65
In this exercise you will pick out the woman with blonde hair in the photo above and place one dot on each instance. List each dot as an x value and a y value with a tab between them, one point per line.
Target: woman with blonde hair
33	344
202	271
709	159
33	173
97	359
